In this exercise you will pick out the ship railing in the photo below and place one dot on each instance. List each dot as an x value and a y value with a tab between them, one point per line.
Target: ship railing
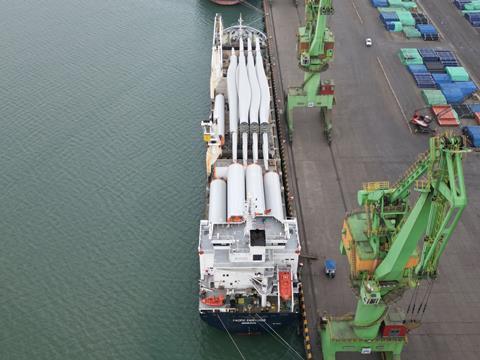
241	265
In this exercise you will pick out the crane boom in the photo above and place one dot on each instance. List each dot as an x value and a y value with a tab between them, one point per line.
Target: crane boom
442	200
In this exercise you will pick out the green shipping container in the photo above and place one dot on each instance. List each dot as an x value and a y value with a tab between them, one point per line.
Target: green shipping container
390	8
398	26
433	97
411	32
406	18
408	5
410	56
472	6
457	73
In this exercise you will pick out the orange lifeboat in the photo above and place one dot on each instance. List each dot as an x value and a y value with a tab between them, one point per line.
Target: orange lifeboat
285	285
214	300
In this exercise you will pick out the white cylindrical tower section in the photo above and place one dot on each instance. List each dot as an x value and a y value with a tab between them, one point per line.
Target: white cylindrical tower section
219	115
220	172
273	195
255	188
217	206
235	193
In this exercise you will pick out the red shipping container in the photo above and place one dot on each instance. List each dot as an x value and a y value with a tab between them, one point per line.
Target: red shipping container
444	115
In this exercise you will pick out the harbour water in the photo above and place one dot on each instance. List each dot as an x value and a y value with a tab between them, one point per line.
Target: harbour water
102	181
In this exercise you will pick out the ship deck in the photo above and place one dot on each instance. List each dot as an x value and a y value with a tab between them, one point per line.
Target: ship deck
372	141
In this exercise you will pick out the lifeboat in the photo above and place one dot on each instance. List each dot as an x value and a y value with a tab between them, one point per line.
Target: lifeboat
214	300
285	285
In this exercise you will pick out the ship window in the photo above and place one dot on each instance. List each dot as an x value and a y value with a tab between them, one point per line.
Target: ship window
257	257
257	238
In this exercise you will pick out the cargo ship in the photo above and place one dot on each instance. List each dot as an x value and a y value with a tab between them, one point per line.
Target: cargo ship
248	248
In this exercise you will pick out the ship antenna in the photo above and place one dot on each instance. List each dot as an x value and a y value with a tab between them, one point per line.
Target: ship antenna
240	26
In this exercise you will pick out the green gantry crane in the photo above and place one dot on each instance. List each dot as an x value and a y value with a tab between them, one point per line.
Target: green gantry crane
392	247
315	50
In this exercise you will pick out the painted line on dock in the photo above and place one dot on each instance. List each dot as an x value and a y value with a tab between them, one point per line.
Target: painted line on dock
356	10
394	95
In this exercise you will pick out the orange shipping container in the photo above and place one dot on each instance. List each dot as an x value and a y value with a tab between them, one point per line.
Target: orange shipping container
445	115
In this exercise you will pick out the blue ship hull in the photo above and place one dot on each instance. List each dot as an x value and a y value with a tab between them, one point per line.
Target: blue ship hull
247	323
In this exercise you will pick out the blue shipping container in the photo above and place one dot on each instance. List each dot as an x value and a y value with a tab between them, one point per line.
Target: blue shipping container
379	3
453	94
441	78
467	87
426	29
474	107
389	25
473	134
428	54
388	16
424	80
460	4
447	57
417	69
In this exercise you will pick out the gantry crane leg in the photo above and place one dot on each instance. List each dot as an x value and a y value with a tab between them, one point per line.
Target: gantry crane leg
309	95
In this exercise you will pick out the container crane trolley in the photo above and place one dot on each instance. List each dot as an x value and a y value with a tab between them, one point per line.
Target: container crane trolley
392	246
314	50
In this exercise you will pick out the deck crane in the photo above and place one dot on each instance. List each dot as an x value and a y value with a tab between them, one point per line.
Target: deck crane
315	43
392	246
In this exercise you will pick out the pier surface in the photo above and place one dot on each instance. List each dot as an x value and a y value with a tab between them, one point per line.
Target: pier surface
375	96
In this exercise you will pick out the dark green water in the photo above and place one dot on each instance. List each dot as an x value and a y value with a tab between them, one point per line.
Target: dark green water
102	182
